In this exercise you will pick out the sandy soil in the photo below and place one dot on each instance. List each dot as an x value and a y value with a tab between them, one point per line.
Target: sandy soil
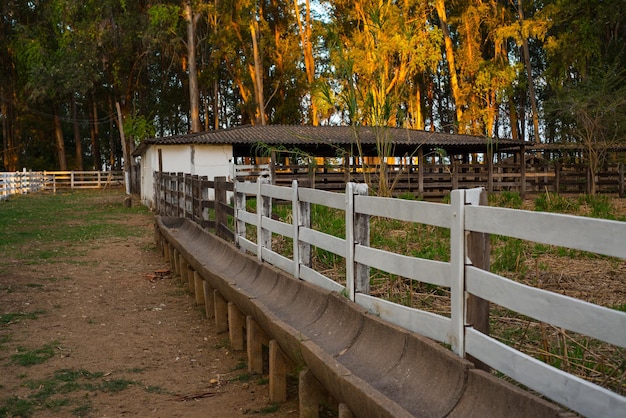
121	342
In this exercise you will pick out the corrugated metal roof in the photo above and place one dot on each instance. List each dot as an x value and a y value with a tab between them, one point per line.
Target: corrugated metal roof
316	135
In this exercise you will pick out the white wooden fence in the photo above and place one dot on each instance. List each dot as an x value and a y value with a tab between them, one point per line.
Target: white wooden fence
22	182
462	216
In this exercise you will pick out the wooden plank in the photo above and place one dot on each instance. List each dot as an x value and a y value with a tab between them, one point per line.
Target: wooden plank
563	311
568	390
247	245
277	260
313	276
246	187
600	236
277	192
324	241
425	323
320	197
277	227
427	271
436	214
247	217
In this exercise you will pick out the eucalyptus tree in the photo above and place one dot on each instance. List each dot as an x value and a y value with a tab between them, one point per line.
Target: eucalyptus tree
586	56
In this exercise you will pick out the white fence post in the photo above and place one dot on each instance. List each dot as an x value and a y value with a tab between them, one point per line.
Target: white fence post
240	205
263	208
457	270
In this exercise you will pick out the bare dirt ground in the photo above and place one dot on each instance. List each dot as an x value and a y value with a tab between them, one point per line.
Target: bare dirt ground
115	343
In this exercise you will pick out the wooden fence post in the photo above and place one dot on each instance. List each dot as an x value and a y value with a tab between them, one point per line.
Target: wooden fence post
420	172
478	252
357	233
522	172
221	217
620	169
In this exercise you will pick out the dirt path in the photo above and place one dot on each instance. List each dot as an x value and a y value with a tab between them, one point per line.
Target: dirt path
108	341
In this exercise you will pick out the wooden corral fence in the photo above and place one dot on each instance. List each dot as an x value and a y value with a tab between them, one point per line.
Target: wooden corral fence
471	286
437	180
22	182
197	198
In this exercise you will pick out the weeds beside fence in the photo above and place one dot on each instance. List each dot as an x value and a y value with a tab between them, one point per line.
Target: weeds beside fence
32	181
458	273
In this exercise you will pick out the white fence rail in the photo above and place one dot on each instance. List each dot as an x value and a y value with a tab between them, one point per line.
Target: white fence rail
12	183
462	217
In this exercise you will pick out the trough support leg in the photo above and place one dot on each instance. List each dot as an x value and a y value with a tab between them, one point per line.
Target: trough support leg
175	260
221	312
344	411
278	373
209	300
198	288
166	250
182	269
256	338
311	394
236	322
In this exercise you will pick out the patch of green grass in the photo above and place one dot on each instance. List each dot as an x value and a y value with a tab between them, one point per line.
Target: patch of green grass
25	357
241	364
550	202
16	407
270	409
243	377
82	410
223	343
600	206
509	254
116	385
48	219
156	389
34	285
11	317
46	393
506	199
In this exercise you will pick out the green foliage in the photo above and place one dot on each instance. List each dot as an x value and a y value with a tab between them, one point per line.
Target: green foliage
139	127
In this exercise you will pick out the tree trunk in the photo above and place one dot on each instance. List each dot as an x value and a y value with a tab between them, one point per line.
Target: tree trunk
194	93
307	51
258	76
454	83
95	145
9	148
125	147
77	139
529	74
112	158
59	140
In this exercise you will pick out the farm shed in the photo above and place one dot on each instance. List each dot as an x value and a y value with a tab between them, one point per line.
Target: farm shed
211	153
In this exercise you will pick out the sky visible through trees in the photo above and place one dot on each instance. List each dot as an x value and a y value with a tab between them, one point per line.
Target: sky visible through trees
83	81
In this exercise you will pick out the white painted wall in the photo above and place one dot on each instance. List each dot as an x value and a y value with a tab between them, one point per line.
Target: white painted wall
202	159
